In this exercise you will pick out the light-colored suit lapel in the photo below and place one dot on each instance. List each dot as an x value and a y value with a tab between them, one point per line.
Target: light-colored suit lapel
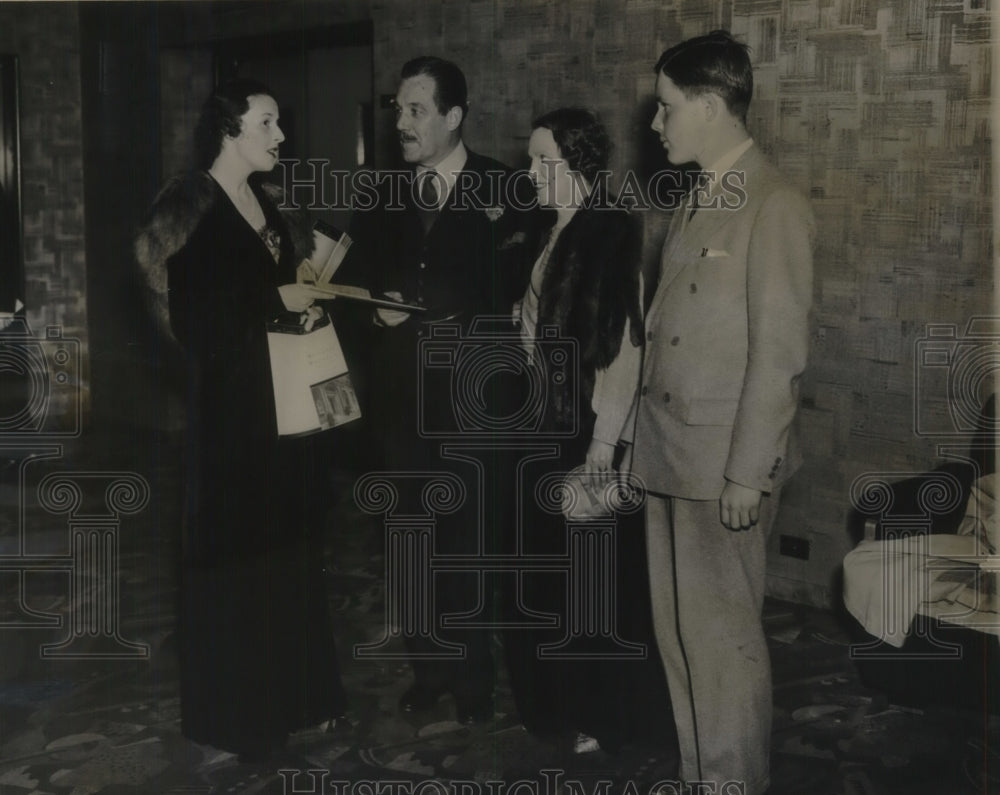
686	237
668	262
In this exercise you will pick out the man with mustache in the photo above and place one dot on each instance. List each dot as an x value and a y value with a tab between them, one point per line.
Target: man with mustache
727	339
442	238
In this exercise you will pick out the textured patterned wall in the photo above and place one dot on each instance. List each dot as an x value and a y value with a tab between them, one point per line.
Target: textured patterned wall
46	39
878	109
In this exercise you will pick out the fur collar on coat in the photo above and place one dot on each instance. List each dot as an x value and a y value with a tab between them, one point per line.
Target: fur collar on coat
590	287
175	215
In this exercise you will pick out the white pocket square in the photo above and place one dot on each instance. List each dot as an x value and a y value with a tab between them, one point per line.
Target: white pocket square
714	252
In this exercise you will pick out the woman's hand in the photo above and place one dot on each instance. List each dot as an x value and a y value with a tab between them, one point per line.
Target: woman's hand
599	456
296	297
515	313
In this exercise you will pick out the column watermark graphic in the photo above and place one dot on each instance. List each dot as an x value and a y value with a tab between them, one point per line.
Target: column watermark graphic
588	567
937	544
902	585
409	552
40	410
469	425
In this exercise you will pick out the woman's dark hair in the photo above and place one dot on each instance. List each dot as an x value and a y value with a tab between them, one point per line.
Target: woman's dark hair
582	140
715	62
221	116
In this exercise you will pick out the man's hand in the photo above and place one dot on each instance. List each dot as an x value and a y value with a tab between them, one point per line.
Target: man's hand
310	316
599	456
739	506
305	273
392	317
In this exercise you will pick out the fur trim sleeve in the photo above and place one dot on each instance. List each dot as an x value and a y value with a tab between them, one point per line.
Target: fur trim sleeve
174	216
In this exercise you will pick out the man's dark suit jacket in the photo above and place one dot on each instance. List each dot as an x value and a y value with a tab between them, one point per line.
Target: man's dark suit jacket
468	264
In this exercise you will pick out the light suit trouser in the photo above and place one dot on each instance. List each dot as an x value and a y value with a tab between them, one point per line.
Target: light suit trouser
707	590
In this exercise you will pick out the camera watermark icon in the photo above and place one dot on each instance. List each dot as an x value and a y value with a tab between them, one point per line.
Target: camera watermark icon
477	371
41	394
955	372
409	577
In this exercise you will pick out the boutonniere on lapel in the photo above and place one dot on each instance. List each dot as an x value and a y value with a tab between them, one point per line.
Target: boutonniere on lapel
493	213
714	252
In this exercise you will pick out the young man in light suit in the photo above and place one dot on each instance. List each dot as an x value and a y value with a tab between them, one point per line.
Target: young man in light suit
727	337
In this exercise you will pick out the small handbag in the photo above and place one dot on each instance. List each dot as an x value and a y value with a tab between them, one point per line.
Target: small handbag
587	496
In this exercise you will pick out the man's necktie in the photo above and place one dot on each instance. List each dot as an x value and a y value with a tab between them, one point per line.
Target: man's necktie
428	208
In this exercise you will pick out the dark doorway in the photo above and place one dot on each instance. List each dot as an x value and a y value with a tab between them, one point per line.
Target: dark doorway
11	264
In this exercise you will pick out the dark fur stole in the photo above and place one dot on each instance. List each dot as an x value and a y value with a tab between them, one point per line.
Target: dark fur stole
175	215
590	288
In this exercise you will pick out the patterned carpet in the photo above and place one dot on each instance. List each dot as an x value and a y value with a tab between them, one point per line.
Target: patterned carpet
101	715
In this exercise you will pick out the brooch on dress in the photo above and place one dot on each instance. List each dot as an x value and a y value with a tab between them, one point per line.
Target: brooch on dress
272	240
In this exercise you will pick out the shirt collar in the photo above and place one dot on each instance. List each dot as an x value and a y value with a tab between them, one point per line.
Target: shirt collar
448	169
726	162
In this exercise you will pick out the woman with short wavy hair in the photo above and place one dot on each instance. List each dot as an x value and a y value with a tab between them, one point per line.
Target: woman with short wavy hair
257	657
585	284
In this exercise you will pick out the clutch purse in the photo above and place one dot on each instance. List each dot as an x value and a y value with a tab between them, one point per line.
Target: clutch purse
588	496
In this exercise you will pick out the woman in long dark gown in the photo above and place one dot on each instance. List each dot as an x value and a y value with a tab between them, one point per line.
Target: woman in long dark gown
585	281
257	651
